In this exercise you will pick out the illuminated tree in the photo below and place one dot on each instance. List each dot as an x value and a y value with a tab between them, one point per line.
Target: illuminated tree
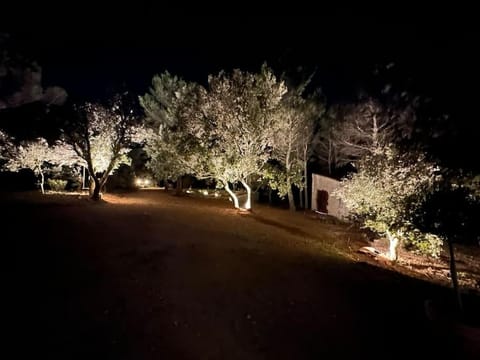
6	146
312	110
287	137
174	128
165	98
359	129
38	155
101	136
365	127
294	137
385	194
241	109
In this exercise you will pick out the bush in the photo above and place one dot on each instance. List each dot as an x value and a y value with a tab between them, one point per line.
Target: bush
57	184
453	214
122	179
423	243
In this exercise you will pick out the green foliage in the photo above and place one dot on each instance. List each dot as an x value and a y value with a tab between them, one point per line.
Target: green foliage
241	110
174	127
276	177
471	182
165	99
73	176
294	137
452	212
387	191
122	178
423	243
166	162
57	184
224	132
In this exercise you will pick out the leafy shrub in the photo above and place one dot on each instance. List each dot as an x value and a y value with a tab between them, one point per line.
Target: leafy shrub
423	243
57	184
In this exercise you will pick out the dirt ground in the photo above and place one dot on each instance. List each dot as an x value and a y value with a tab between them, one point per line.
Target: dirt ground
152	276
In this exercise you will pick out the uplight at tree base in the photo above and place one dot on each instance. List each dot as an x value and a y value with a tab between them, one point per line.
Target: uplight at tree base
142	182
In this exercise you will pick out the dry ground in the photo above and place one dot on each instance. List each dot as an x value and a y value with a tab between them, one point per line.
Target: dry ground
153	276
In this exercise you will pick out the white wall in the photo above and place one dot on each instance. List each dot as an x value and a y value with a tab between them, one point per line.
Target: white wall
335	207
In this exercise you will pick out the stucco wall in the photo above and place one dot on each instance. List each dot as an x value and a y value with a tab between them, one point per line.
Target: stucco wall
323	186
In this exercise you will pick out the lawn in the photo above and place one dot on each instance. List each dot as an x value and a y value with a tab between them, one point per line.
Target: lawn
152	276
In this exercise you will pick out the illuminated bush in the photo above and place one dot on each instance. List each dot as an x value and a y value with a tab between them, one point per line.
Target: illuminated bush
423	243
385	194
57	184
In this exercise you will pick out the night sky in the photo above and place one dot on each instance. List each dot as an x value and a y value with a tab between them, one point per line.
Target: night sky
84	48
92	51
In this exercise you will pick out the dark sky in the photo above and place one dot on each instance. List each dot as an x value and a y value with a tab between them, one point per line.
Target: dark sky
87	49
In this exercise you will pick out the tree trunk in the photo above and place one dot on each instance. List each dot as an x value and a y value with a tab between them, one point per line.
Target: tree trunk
103	183
95	188
305	176
232	194
179	187
291	200
248	203
301	199
42	181
83	178
305	185
270	196
374	132
91	186
392	246
305	194
453	272
329	157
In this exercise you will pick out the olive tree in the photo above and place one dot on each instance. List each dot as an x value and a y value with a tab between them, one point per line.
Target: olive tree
385	194
240	110
101	135
38	155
